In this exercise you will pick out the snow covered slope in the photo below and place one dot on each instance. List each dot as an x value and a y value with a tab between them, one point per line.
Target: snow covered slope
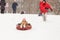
49	30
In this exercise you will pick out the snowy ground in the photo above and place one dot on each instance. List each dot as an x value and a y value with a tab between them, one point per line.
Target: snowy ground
49	30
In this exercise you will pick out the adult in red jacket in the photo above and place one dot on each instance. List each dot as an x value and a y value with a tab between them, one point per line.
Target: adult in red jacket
44	6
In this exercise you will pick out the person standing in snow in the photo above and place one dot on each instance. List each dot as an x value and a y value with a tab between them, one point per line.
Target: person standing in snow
3	3
0	2
0	5
44	6
7	7
14	6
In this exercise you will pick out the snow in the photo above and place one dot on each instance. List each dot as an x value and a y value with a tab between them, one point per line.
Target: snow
49	30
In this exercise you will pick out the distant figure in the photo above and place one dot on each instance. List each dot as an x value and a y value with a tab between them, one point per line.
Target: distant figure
14	6
0	5
3	3
7	7
44	6
22	12
0	2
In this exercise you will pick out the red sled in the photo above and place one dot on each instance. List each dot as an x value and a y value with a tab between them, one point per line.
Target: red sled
28	27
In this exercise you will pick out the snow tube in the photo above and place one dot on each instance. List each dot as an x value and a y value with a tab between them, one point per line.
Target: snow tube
28	27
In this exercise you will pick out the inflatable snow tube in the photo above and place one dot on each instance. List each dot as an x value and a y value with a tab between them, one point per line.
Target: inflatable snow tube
28	27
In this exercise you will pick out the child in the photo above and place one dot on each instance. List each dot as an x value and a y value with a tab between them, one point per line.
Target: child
22	12
3	3
24	25
44	6
7	7
14	6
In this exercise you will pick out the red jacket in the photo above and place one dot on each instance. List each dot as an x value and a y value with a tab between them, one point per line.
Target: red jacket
44	8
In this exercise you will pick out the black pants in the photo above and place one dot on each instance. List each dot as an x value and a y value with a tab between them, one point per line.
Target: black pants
14	10
2	11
